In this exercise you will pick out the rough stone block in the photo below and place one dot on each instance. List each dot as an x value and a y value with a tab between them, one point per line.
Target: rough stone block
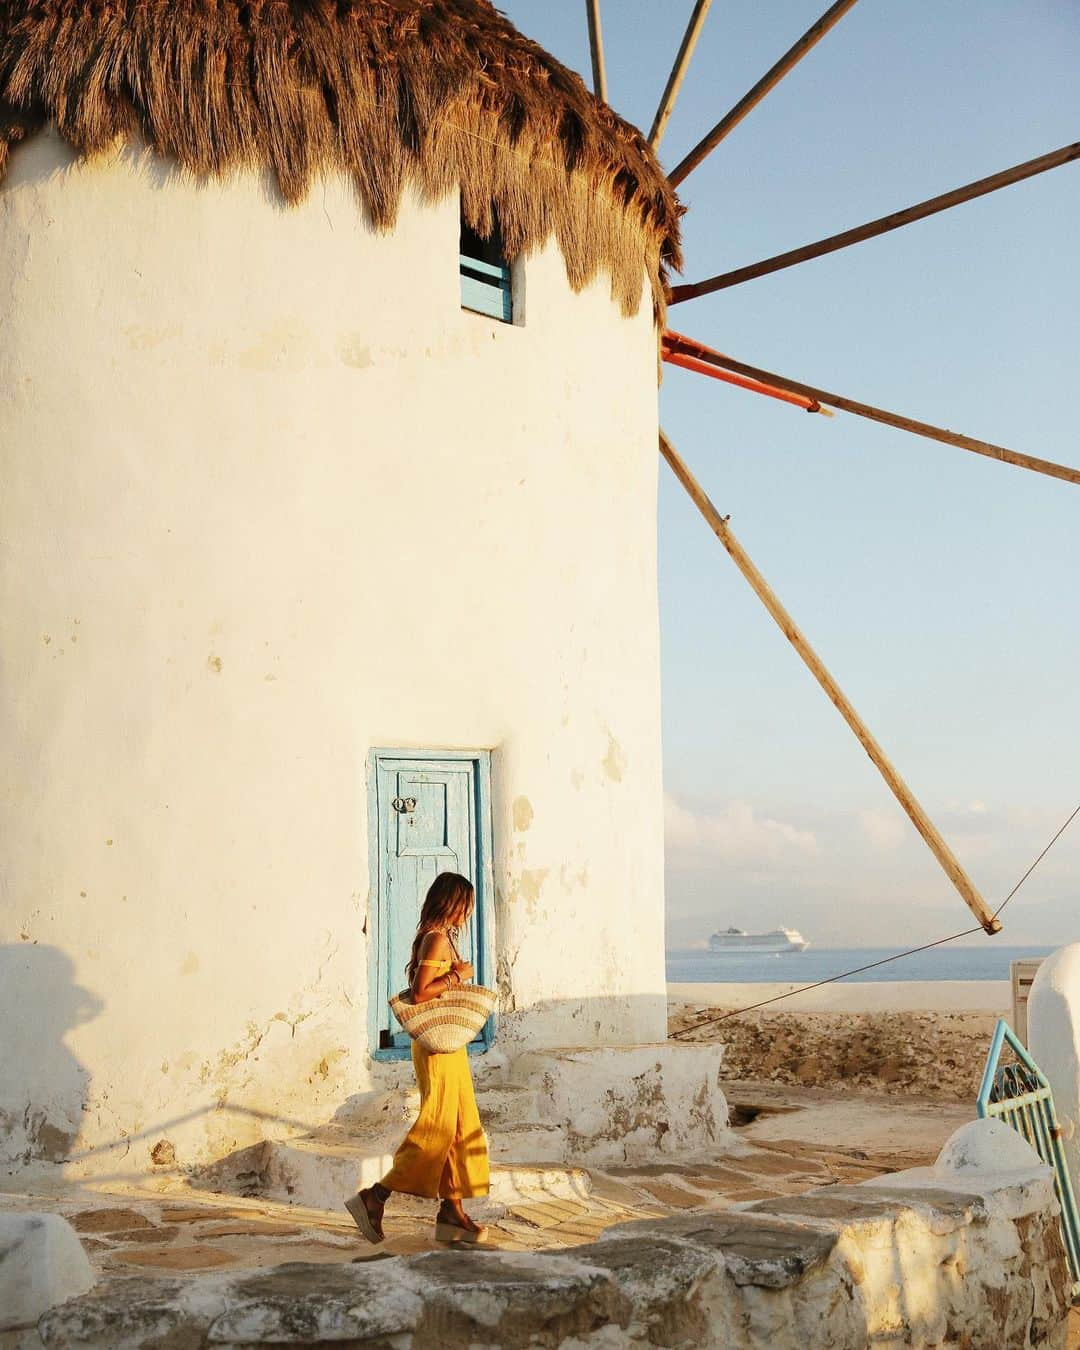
513	1299
630	1103
843	1204
943	1210
946	1209
757	1248
303	1303
658	1281
137	1313
42	1263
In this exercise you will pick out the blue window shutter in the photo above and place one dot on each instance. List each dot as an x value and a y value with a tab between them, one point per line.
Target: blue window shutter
485	272
485	289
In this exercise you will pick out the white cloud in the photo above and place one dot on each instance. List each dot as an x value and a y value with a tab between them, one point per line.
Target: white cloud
860	874
886	830
735	832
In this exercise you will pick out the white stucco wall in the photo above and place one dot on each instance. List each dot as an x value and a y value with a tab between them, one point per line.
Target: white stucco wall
1054	1042
271	499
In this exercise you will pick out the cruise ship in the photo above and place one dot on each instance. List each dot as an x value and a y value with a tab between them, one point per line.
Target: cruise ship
738	940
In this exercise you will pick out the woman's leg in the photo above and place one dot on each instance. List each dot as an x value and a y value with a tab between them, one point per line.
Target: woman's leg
466	1172
419	1162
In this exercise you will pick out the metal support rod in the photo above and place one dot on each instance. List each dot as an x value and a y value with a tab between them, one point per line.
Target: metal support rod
791	631
596	49
882	225
769	81
676	343
678	71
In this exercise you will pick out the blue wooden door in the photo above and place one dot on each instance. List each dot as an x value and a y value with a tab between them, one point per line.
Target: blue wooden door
428	813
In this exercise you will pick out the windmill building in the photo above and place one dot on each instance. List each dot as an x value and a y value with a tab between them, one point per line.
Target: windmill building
329	431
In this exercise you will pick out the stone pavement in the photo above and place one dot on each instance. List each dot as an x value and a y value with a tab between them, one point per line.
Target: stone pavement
786	1141
979	1250
142	1232
173	1254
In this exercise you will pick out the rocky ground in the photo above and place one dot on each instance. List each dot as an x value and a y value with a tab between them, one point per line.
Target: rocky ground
934	1054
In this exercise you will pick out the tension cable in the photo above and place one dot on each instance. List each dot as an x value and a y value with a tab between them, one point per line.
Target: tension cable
885	960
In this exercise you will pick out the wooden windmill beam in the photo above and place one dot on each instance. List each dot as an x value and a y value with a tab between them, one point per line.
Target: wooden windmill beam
676	343
678	71
596	49
814	664
768	82
882	225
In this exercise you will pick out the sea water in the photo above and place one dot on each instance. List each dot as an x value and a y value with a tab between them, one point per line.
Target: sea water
989	962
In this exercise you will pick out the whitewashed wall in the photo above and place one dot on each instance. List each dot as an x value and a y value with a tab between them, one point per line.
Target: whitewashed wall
271	498
1054	1041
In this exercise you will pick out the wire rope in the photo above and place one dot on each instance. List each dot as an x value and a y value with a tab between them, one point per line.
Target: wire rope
884	961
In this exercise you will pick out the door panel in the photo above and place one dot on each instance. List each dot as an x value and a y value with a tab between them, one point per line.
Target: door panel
427	814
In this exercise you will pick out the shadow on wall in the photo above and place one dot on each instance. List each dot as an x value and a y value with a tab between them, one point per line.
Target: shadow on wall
45	1091
43	1087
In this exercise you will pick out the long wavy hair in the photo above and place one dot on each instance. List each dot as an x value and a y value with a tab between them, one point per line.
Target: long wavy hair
447	907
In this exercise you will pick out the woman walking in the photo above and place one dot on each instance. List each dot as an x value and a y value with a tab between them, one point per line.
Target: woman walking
444	1156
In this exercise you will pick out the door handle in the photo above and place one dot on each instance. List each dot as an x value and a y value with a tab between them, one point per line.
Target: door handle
404	805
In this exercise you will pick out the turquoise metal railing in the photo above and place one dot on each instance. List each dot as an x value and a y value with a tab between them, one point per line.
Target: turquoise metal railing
1020	1095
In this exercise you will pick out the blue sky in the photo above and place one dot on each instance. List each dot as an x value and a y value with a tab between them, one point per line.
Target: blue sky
940	587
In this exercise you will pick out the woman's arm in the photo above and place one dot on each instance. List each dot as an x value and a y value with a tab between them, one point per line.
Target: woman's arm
426	985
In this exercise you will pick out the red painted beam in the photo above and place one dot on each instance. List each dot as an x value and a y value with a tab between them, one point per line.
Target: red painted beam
677	350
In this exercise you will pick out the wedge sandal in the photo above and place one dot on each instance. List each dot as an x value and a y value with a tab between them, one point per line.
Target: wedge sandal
362	1218
448	1231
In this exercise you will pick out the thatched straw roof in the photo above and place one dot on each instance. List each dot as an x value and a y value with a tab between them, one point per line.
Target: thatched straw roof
438	93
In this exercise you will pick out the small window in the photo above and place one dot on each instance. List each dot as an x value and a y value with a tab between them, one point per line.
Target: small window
485	274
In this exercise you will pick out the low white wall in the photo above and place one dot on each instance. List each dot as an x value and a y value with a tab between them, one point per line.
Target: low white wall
272	498
868	996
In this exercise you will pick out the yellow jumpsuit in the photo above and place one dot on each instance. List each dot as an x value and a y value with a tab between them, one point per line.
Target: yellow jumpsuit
445	1154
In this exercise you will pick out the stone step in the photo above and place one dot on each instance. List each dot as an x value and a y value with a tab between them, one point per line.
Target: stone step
624	1104
321	1169
528	1142
504	1104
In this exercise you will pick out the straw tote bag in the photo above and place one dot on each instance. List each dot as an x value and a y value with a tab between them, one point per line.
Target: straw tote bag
446	1023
